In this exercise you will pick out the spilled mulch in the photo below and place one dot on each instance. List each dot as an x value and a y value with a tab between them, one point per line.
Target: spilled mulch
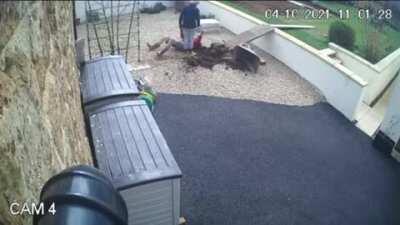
217	53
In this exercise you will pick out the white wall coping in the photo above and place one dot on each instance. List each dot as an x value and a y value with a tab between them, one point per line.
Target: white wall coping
385	62
378	67
298	42
354	56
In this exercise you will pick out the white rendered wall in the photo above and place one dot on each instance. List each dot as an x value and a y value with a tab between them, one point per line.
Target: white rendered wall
391	123
389	68
341	87
340	90
228	19
378	75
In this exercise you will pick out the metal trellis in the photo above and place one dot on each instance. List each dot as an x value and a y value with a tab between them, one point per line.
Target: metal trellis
106	23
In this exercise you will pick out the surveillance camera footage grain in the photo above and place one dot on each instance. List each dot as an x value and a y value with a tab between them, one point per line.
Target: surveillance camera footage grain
199	112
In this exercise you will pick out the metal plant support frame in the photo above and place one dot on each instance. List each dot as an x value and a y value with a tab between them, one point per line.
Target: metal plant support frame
104	23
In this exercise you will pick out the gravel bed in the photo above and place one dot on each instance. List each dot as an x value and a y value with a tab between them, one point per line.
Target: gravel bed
274	82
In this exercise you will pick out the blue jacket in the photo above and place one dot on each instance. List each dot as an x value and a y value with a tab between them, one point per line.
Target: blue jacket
190	17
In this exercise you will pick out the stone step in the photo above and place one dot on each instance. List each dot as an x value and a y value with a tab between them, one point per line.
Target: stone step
368	120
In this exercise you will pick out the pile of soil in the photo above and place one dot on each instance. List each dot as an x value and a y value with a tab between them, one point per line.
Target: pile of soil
217	53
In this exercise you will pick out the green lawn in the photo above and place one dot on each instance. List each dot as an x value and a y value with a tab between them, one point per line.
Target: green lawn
318	37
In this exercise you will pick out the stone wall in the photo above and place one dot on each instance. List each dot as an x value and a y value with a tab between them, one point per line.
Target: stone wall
41	122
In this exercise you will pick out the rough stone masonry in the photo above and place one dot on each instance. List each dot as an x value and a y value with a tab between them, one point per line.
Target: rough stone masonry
41	122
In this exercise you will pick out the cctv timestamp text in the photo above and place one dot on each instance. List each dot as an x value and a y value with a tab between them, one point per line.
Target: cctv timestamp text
324	14
27	208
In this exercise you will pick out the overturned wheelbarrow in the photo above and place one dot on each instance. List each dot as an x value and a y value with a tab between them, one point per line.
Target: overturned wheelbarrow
247	58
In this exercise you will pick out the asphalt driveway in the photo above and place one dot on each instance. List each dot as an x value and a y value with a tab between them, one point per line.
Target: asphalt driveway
247	162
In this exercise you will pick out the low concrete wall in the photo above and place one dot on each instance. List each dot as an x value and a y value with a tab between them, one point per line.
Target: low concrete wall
391	123
230	18
377	75
341	87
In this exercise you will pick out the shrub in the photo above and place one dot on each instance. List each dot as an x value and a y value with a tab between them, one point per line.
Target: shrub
342	34
208	16
373	50
156	8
